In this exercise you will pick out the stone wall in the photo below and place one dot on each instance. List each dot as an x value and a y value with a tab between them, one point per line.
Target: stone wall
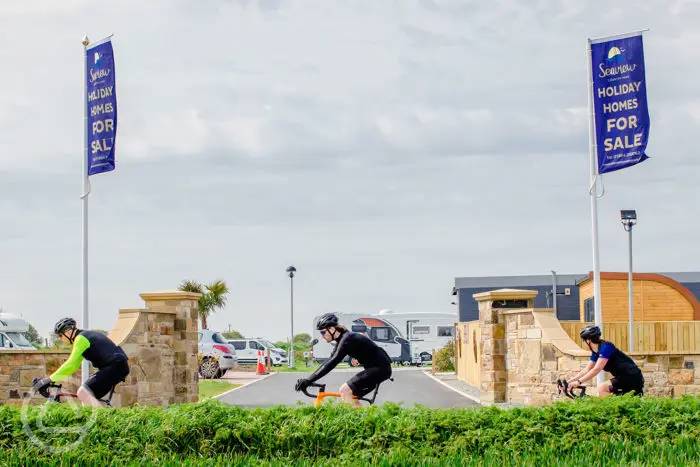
525	350
19	367
160	341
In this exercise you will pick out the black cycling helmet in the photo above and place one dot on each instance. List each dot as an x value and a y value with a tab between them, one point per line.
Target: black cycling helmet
63	325
326	321
590	332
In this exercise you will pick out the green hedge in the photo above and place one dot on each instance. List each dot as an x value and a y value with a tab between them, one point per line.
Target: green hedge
615	431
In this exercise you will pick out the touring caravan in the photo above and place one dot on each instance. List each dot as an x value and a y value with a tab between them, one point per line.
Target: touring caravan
13	333
408	338
426	332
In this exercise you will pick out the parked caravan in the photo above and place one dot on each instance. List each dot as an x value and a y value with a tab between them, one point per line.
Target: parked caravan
426	332
13	332
408	338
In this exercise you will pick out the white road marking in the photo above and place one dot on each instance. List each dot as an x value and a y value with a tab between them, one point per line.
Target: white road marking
243	385
461	393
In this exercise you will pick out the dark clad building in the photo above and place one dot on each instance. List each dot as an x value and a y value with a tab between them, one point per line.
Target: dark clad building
567	292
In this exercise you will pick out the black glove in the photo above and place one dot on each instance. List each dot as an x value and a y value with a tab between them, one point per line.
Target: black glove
302	384
41	385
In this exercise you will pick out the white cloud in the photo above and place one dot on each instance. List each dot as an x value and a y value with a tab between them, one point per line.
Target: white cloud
384	147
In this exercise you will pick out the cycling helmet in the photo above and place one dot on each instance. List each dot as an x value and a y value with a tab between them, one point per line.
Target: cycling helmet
590	332
63	325
326	321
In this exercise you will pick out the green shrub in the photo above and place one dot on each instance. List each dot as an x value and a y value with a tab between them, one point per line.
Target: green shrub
444	359
622	430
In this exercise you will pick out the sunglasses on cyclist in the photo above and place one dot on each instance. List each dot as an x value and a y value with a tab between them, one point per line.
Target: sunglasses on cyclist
324	332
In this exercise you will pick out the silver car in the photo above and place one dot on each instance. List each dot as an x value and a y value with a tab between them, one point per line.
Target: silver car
216	355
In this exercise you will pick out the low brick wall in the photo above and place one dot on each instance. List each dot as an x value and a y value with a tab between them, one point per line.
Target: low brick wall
523	351
160	341
19	367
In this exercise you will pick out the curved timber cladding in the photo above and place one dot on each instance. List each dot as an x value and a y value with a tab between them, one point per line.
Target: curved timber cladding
656	298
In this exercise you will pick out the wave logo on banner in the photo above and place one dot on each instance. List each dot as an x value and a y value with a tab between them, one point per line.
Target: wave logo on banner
620	102
101	108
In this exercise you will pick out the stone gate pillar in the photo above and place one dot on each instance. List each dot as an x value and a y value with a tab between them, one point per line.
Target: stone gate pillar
493	345
161	343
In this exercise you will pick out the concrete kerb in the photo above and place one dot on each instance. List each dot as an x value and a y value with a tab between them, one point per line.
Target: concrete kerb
461	393
244	385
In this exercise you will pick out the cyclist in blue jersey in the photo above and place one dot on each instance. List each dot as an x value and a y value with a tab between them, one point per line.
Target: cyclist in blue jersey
109	359
626	375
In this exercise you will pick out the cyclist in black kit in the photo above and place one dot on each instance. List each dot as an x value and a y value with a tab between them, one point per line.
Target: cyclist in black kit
98	349
626	375
359	347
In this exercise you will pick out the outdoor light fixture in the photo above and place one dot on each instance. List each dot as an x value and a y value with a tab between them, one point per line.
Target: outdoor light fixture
291	270
629	218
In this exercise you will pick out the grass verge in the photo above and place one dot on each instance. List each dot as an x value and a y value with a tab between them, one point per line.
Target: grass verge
209	388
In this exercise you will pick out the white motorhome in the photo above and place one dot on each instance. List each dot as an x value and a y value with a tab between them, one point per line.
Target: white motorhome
13	333
406	337
426	332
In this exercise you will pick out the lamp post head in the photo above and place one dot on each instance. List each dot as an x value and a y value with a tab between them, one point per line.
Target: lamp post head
628	218
85	41
291	270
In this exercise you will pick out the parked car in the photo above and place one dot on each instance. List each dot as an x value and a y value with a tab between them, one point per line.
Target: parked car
13	333
269	345
216	356
247	351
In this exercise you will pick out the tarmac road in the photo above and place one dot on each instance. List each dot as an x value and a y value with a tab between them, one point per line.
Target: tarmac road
410	387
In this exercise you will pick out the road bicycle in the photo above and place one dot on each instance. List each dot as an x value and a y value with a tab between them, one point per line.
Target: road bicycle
570	392
322	394
54	393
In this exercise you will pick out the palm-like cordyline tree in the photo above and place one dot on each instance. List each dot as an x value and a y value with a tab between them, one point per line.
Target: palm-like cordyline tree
213	297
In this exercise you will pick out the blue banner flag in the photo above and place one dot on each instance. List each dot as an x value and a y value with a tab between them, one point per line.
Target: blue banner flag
620	102
101	109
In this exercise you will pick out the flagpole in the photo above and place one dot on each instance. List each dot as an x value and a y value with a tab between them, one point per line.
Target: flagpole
84	196
593	192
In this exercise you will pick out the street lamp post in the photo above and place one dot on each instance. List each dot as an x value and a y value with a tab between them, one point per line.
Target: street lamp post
291	270
629	219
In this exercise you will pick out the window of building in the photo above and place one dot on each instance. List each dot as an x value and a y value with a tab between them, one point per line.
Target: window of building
446	331
589	310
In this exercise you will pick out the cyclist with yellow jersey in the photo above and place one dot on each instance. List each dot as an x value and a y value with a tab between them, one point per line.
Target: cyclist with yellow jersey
98	349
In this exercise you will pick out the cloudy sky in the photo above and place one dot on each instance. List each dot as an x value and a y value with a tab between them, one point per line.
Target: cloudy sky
382	147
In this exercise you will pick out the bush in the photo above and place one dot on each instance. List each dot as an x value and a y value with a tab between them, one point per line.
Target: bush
617	430
444	359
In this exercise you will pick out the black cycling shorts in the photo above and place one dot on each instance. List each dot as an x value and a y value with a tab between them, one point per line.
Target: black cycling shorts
622	385
106	378
365	381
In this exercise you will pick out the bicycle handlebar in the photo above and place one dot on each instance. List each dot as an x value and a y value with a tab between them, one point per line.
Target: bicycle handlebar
568	391
322	388
45	390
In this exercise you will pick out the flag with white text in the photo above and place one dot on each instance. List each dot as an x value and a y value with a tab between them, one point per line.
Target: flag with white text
619	102
101	108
